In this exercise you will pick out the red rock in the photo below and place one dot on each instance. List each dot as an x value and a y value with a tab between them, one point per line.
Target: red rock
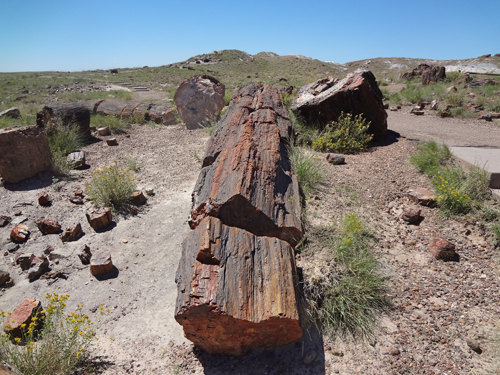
323	101
85	255
44	199
38	266
25	153
79	193
100	218
72	234
442	249
394	351
23	314
24	260
199	100
47	226
101	264
428	73
422	196
138	198
112	142
19	233
246	179
236	291
411	215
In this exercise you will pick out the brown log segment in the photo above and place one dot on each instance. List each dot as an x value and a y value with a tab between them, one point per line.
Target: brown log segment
236	290
323	101
246	178
67	114
115	107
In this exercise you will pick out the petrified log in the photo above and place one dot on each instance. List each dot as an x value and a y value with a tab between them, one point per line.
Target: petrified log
236	290
25	152
67	114
246	178
161	115
323	101
115	107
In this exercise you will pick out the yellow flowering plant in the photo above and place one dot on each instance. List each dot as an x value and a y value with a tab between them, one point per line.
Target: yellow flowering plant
111	186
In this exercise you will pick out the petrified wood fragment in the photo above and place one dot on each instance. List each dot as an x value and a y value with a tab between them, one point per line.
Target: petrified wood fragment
236	290
246	178
67	114
323	101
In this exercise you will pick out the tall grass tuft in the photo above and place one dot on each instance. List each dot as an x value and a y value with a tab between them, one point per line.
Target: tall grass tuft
307	170
115	124
62	141
111	186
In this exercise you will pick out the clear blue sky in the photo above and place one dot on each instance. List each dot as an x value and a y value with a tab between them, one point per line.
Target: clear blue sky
81	35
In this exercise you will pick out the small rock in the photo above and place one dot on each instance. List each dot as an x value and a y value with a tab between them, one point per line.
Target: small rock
125	241
451	89
486	117
418	113
44	199
442	249
18	213
38	266
48	249
337	353
4	277
12	247
434	105
150	191
100	218
133	211
335	159
104	131
422	196
79	193
101	264
22	314
310	357
19	233
76	159
76	200
112	142
85	255
4	220
47	226
394	351
411	215
72	234
138	198
474	345
24	260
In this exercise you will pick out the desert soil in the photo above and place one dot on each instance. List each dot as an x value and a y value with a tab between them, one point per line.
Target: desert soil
436	306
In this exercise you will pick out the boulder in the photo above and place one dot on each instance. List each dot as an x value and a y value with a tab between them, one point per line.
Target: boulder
101	264
236	291
47	226
23	314
246	178
25	153
11	113
65	114
19	233
323	101
38	266
442	249
72	233
100	218
161	115
199	100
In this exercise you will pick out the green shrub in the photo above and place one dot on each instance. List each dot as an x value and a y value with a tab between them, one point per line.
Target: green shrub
430	157
52	343
349	302
227	97
490	214
496	232
346	135
132	164
307	170
63	140
111	186
115	124
453	76
456	99
451	198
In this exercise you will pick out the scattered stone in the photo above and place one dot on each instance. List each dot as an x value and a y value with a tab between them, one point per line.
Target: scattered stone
310	357
11	113
337	352
85	255
480	82
418	113
4	220
411	215
25	153
19	233
48	250
112	142
47	226
72	234
4	277
101	264
394	351
434	105
323	101
76	159
442	249
100	218
24	260
134	211
44	199
393	109
79	193
38	266
12	247
451	89
150	191
486	117
474	345
29	308
103	131
18	213
76	200
422	196
199	100
138	198
335	159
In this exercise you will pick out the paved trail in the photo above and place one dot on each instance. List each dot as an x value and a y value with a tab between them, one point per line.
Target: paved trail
449	131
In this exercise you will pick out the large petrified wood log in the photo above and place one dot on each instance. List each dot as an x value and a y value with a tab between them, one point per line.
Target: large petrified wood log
323	101
236	290
117	107
246	178
67	114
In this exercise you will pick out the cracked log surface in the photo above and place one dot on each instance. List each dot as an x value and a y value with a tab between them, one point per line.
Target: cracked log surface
246	178
323	101
236	290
